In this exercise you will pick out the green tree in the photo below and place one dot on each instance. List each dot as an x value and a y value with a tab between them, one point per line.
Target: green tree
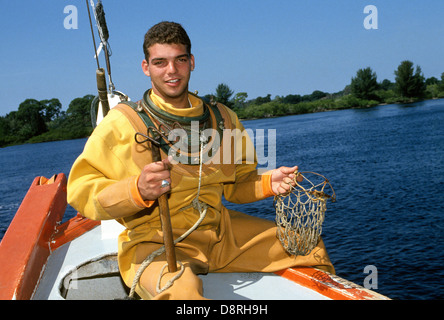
261	100
408	83
292	99
223	94
30	116
239	100
51	109
79	111
364	85
317	95
4	131
431	80
11	123
441	83
386	84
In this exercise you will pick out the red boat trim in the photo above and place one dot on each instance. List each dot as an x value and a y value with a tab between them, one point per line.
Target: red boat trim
25	245
328	285
71	229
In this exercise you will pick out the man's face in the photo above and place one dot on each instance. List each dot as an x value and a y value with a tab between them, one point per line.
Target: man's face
169	68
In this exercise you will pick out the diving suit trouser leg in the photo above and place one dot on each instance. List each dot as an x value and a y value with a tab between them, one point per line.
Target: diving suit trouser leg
187	287
242	243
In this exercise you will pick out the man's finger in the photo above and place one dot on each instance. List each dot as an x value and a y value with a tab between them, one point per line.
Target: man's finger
158	166
288	170
167	163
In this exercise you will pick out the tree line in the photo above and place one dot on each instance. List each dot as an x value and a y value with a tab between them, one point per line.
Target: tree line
40	121
363	91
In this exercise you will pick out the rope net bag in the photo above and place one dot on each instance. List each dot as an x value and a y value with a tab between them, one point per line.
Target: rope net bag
301	212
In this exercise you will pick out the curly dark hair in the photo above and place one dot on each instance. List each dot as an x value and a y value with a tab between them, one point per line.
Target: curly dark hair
166	33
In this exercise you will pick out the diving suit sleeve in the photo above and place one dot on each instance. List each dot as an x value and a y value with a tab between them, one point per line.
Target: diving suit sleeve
102	183
249	185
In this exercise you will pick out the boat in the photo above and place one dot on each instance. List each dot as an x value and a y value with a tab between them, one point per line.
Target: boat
44	259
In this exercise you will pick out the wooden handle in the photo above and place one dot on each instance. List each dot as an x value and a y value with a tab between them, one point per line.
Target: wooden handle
103	92
165	219
167	233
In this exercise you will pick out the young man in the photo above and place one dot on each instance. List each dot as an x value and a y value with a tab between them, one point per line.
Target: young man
115	178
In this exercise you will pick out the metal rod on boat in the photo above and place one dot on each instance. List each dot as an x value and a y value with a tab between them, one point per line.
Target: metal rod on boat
165	219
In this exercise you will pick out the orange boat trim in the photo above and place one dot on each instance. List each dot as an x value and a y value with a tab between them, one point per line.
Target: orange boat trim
25	244
71	230
328	285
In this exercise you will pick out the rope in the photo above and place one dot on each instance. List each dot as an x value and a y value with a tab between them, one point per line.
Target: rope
202	209
101	22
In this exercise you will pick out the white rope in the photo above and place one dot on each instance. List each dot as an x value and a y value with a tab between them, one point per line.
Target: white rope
171	281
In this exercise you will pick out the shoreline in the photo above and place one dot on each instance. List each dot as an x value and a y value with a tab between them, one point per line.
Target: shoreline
337	109
266	117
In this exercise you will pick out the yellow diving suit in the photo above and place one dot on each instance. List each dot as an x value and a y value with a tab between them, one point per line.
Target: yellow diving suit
102	185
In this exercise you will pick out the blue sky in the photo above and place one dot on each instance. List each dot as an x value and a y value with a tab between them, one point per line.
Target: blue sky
261	47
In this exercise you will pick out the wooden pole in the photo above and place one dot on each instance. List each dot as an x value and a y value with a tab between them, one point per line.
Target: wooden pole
165	219
103	92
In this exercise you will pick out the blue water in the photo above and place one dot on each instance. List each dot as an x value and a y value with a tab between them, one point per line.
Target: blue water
386	165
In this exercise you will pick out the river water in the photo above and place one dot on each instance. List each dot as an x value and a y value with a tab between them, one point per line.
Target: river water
385	163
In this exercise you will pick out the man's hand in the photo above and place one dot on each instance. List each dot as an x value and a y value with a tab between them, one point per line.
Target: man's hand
151	178
282	179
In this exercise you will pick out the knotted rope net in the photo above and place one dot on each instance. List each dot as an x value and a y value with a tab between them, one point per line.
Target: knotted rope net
300	212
